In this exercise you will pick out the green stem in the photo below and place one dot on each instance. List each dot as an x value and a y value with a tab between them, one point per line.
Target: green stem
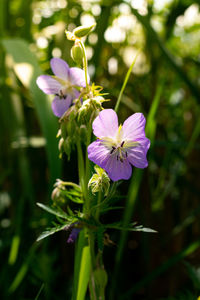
68	183
87	167
125	82
85	65
98	205
81	168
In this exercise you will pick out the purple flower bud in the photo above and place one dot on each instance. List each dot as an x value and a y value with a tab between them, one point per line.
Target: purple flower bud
73	235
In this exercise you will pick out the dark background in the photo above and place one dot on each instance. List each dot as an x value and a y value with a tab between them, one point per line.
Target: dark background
165	265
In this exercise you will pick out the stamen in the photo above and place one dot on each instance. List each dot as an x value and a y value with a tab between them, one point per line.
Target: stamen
62	95
113	149
126	154
122	143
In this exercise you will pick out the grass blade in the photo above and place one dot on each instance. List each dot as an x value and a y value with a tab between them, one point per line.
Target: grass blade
84	274
125	82
27	70
162	268
134	189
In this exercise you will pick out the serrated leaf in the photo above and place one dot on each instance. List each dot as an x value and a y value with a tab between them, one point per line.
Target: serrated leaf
111	208
132	227
52	231
54	211
144	229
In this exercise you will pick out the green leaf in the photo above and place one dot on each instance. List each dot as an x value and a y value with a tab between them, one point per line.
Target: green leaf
84	274
131	227
54	211
27	69
144	229
74	196
111	208
52	231
125	82
162	269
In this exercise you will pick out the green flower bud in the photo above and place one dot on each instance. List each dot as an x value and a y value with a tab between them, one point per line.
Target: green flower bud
67	145
101	278
58	193
90	109
99	181
77	54
60	144
83	133
82	31
85	111
63	130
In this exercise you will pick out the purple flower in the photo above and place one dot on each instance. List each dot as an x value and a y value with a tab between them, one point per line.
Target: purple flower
63	85
73	235
119	147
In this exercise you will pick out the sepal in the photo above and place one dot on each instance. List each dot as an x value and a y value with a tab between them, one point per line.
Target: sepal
82	31
99	182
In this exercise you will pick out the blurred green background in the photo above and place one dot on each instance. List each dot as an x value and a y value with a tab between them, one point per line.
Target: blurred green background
164	85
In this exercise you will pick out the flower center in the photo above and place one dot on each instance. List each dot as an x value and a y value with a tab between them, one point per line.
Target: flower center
118	146
120	152
67	88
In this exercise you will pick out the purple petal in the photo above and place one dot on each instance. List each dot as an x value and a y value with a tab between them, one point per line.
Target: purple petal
118	170
60	68
48	84
105	124
73	235
75	94
77	77
133	127
137	155
60	106
98	153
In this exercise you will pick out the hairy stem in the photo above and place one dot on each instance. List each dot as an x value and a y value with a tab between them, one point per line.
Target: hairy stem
85	65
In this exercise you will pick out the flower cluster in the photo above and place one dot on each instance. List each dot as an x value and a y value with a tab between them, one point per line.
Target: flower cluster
115	151
117	147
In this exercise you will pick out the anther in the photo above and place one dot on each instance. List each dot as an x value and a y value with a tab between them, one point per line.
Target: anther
122	144
62	95
113	149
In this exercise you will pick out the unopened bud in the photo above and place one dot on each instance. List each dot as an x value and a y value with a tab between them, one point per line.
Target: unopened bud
83	133
77	54
101	278
99	181
60	144
67	146
82	31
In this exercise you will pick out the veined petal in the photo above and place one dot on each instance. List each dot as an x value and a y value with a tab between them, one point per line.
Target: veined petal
105	124
118	170
133	127
60	68
137	155
60	106
98	153
77	77
48	84
75	94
